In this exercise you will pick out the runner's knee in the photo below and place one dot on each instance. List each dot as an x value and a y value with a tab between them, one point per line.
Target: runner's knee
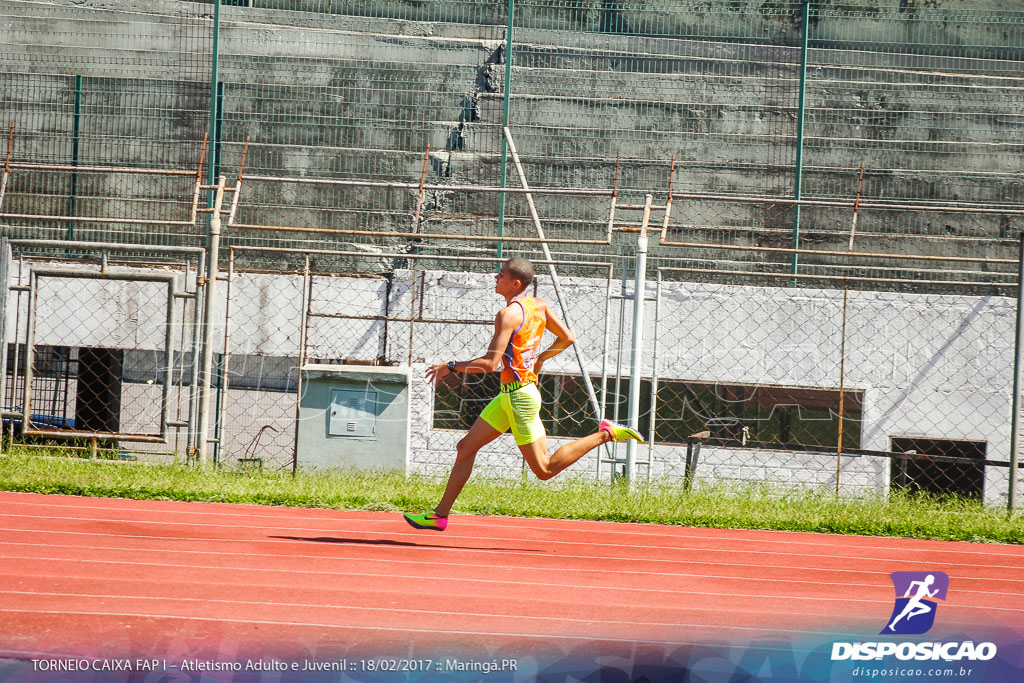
543	471
465	450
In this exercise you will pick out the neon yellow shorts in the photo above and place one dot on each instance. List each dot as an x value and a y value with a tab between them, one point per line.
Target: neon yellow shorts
518	410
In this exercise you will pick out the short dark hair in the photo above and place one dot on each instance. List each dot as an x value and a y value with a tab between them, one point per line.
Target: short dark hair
520	269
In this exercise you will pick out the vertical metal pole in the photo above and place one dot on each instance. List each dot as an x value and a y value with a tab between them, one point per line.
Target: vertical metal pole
179	360
842	390
76	127
208	310
193	392
504	123
30	340
798	182
604	360
225	373
214	78
218	401
307	306
654	378
213	248
636	358
213	201
1018	368
17	340
165	395
5	264
618	365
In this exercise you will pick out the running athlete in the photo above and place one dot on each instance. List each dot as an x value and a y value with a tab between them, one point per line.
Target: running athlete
518	329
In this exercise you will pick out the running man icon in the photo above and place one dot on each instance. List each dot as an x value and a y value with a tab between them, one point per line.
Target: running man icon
914	611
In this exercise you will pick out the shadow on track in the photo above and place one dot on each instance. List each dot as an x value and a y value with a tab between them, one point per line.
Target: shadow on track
407	544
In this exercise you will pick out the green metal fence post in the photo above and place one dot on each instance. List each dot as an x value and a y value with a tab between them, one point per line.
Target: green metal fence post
218	137
504	122
211	177
798	182
212	241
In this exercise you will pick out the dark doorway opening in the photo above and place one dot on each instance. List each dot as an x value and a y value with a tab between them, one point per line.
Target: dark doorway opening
923	472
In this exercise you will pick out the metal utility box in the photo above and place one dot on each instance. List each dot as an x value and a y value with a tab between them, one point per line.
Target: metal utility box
353	417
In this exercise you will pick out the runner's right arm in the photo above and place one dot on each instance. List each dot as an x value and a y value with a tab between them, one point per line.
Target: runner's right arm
505	324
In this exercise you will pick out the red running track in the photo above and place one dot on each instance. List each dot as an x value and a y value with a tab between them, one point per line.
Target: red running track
98	577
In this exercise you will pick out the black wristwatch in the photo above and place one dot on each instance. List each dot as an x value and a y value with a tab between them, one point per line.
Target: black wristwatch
451	366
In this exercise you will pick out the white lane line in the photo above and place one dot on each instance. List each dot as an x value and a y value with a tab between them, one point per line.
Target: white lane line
460	565
404	535
656	530
489	588
376	609
689	564
533	636
432	631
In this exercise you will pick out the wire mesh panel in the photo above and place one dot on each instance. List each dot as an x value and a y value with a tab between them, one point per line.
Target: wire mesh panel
256	424
927	99
376	132
114	87
94	373
97	204
458	11
117	84
642	82
603	95
413	316
904	247
360	97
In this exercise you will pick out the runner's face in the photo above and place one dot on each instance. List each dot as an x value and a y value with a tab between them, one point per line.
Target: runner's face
504	283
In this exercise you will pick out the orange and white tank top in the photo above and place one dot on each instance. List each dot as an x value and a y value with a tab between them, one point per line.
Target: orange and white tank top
522	350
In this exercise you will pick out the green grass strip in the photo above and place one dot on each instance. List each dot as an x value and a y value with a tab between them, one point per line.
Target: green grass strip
730	507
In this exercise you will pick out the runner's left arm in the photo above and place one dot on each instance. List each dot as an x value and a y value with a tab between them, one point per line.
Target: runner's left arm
564	338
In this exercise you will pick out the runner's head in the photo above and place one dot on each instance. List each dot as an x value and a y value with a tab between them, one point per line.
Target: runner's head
521	270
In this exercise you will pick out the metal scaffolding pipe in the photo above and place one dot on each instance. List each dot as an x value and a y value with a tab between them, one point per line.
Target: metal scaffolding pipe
208	309
636	352
1018	375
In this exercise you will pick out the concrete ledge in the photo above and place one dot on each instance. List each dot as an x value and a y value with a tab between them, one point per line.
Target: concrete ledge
358	373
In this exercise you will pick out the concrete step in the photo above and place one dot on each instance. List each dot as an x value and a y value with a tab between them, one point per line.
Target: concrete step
305	72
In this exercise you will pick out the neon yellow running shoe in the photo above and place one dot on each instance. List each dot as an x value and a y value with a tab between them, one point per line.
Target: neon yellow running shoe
427	520
620	432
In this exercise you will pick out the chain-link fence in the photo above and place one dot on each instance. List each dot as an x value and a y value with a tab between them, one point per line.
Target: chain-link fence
794	151
101	347
916	388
